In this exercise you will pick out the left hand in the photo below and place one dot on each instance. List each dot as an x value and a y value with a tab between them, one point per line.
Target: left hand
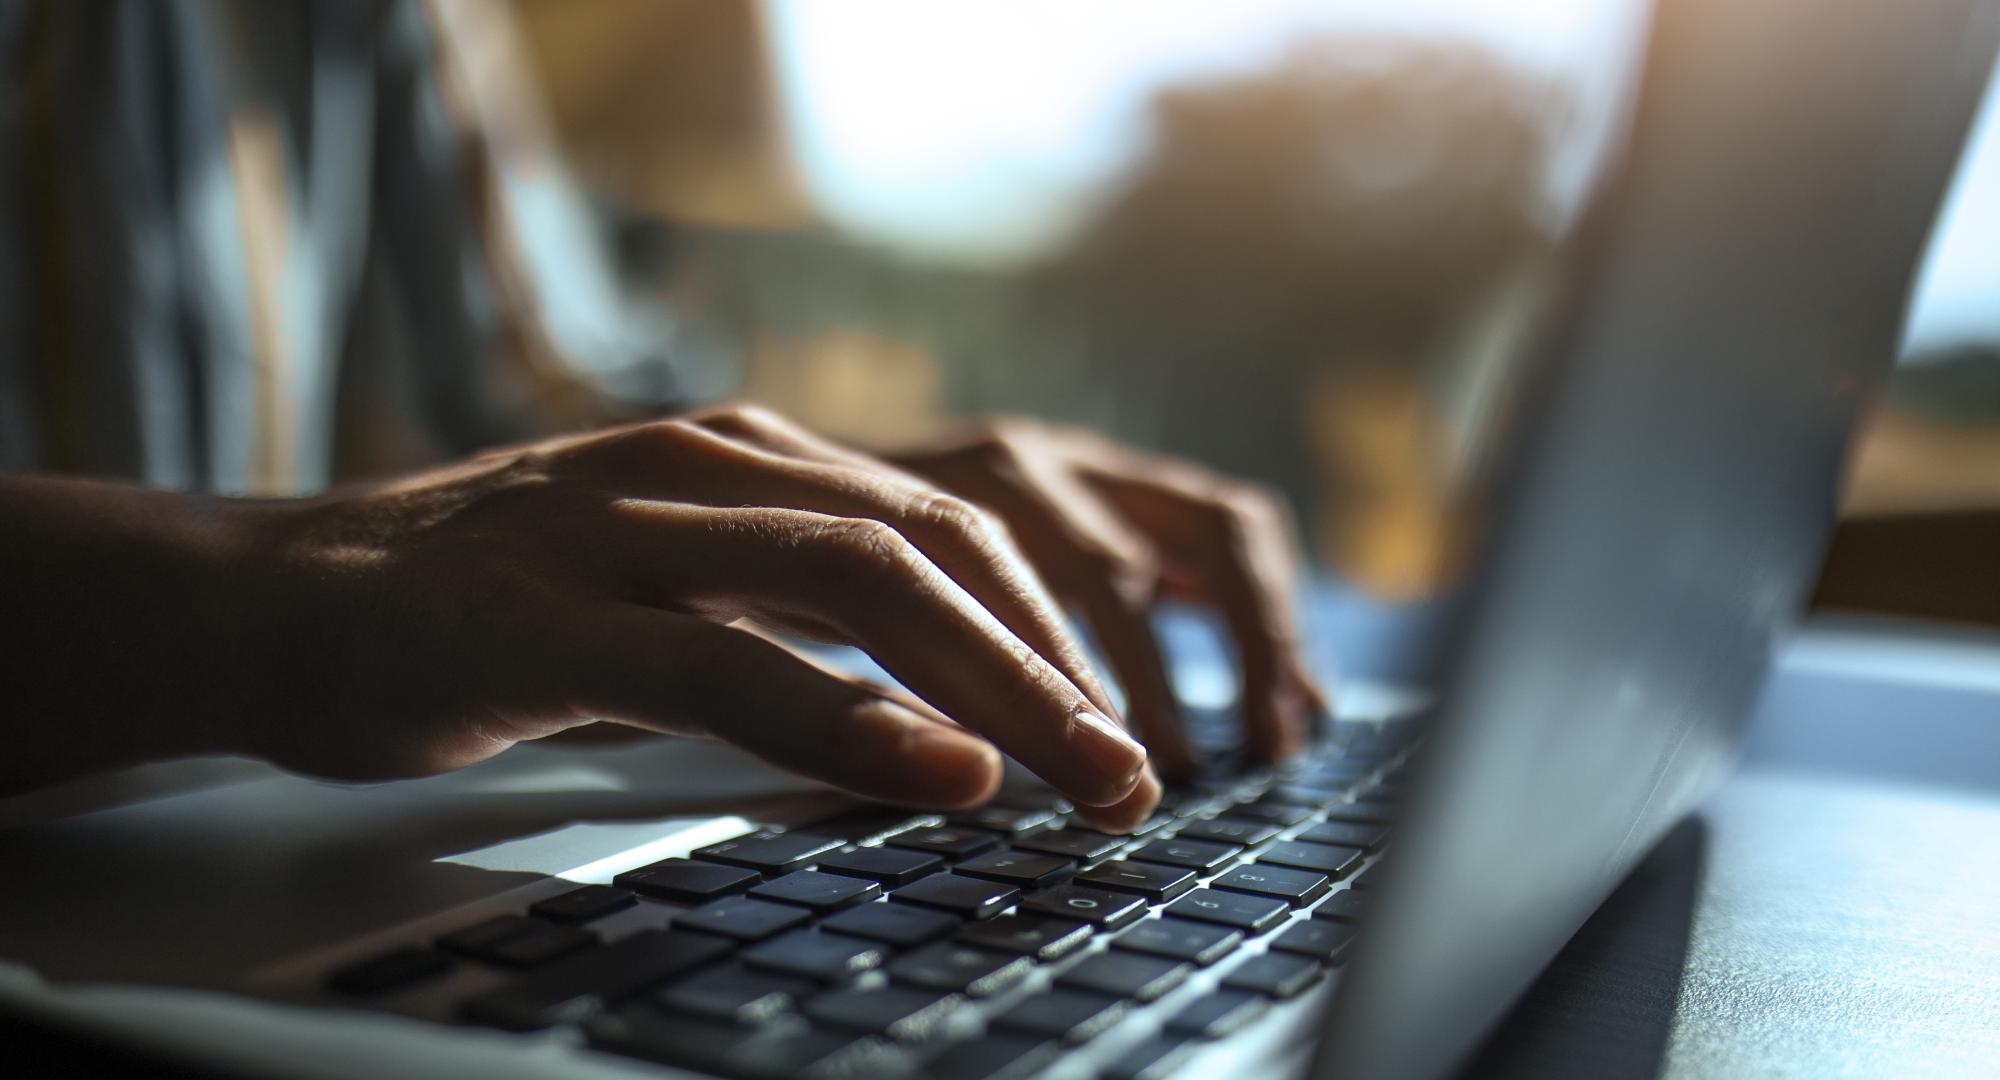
1112	530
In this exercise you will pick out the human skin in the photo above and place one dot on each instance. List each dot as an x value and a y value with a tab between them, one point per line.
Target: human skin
636	577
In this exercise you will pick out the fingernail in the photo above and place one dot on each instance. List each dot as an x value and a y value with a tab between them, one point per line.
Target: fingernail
1131	811
1108	749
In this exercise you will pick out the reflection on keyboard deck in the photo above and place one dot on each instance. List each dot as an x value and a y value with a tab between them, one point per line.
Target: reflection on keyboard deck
881	943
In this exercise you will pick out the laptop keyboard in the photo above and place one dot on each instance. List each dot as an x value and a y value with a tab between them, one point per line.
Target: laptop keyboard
884	943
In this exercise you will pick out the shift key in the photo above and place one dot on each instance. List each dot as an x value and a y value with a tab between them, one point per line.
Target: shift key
582	985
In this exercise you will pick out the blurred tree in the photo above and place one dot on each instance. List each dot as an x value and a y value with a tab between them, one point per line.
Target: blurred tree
1303	270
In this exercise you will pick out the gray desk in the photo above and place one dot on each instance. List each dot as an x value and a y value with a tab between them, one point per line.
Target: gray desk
1834	910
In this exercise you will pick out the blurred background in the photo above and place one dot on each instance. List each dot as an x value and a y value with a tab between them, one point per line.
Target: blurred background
1301	240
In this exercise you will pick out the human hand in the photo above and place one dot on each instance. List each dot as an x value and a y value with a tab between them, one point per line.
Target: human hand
1112	530
421	625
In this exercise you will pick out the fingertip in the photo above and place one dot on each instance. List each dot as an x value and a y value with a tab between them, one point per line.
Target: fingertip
1129	812
950	769
1316	695
1280	723
1112	756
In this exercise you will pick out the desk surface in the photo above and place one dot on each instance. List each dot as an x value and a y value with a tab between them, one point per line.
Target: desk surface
1797	926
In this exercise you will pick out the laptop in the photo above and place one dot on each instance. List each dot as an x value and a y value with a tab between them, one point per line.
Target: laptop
1371	909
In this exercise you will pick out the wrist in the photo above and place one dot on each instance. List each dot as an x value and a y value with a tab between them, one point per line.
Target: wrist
119	631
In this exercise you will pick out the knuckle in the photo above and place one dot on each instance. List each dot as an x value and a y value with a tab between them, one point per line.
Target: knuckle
1242	505
865	544
743	416
530	464
1115	558
993	429
751	415
668	435
1008	460
950	513
1005	435
1131	572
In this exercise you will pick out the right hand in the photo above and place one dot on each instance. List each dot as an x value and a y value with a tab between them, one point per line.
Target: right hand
424	624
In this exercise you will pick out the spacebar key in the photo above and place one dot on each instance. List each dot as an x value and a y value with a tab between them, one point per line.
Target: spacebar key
574	989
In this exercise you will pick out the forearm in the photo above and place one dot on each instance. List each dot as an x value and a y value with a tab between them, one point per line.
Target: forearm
121	637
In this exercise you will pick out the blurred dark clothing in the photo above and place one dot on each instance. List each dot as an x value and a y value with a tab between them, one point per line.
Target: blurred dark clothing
241	238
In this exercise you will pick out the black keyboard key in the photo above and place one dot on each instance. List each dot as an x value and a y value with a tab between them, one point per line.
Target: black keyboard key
887	867
1037	936
960	969
1277	813
1330	859
1344	906
1308	794
1338	772
1083	845
770	853
995	1056
1276	975
865	824
899	1012
966	897
1201	855
1098	907
1187	804
791	1054
538	947
1346	834
1250	914
516	941
1229	830
1005	820
578	986
1125	975
583	905
1155	883
747	1053
1158	821
820	892
953	844
1363	812
1071	1016
686	881
816	955
670	1039
1154	1058
1295	887
1021	869
1033	798
892	923
389	971
1181	939
735	994
742	918
479	939
1218	1014
1322	939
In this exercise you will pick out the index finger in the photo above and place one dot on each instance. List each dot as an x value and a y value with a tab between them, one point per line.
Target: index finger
1236	541
865	581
